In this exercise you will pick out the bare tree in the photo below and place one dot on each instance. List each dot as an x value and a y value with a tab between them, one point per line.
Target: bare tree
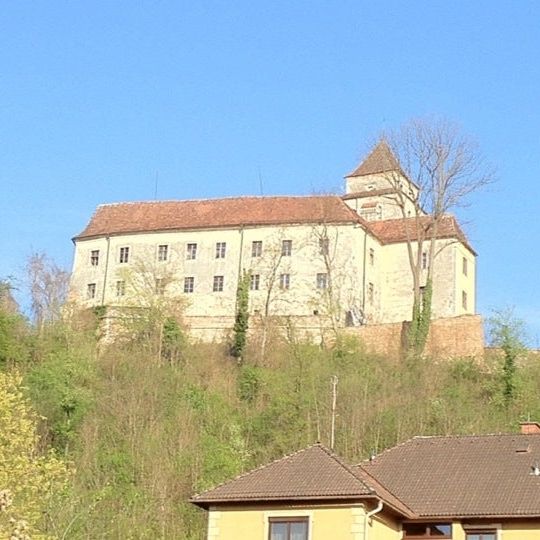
48	284
436	167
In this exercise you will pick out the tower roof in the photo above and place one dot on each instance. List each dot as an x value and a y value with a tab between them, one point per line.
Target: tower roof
381	159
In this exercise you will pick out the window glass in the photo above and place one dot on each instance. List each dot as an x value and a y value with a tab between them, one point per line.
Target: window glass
279	531
218	283
91	291
124	254
94	257
286	248
441	530
284	281
163	252
254	282
120	288
191	251
221	247
481	535
324	244
322	281
189	284
299	531
256	248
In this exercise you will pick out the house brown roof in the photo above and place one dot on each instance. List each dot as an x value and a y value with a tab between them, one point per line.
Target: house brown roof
381	159
393	231
125	218
486	476
311	474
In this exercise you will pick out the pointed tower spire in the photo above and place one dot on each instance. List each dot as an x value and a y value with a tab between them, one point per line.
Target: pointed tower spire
381	159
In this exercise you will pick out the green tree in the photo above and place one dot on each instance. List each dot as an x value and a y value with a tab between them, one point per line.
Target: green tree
241	323
29	481
508	333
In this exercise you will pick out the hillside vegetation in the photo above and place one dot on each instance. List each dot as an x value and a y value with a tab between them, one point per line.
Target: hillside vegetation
143	423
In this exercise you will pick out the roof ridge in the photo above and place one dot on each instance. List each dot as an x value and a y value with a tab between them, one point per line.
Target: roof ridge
348	468
259	468
226	198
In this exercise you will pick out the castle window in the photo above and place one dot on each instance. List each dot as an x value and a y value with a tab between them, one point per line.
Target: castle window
424	260
256	248
124	255
286	248
288	528
371	293
324	245
463	299
254	281
371	256
218	283
163	252
91	291
221	247
191	251
160	286
465	269
284	281
189	284
120	288
94	257
322	281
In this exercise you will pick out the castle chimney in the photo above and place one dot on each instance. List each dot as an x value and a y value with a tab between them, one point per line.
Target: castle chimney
529	428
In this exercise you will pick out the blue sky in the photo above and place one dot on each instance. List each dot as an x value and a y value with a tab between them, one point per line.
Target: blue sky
97	98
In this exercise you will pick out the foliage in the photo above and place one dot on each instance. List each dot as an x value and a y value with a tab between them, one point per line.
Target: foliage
29	481
508	333
421	318
241	322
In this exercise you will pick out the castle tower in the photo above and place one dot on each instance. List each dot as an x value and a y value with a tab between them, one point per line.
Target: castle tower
372	188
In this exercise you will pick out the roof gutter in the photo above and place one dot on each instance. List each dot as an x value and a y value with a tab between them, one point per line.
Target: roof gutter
369	515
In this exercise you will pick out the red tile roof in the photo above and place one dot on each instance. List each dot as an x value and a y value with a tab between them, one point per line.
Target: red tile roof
311	474
123	218
488	476
381	159
393	231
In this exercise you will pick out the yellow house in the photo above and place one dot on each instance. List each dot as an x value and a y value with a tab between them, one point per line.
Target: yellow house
459	487
312	259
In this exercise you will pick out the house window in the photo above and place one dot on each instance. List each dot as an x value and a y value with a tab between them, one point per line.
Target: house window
256	248
371	293
424	260
221	247
120	288
371	256
322	281
160	285
189	284
286	248
191	251
284	281
254	281
91	291
163	252
293	528
94	257
324	244
486	534
413	531
465	269
124	255
463	299
218	283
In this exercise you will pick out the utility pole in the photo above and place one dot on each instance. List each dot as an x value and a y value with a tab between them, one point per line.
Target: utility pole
334	381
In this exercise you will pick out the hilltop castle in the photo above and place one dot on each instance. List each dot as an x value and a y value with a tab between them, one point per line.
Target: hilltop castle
311	259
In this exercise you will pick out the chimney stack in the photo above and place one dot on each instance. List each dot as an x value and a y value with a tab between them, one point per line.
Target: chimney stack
530	428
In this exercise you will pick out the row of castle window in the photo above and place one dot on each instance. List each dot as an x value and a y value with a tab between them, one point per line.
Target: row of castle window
217	285
191	251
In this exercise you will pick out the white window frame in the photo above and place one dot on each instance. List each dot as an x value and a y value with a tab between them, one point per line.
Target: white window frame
486	526
120	288
285	281
254	282
286	248
124	252
256	248
221	250
322	281
92	257
219	283
160	252
191	252
189	280
91	287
